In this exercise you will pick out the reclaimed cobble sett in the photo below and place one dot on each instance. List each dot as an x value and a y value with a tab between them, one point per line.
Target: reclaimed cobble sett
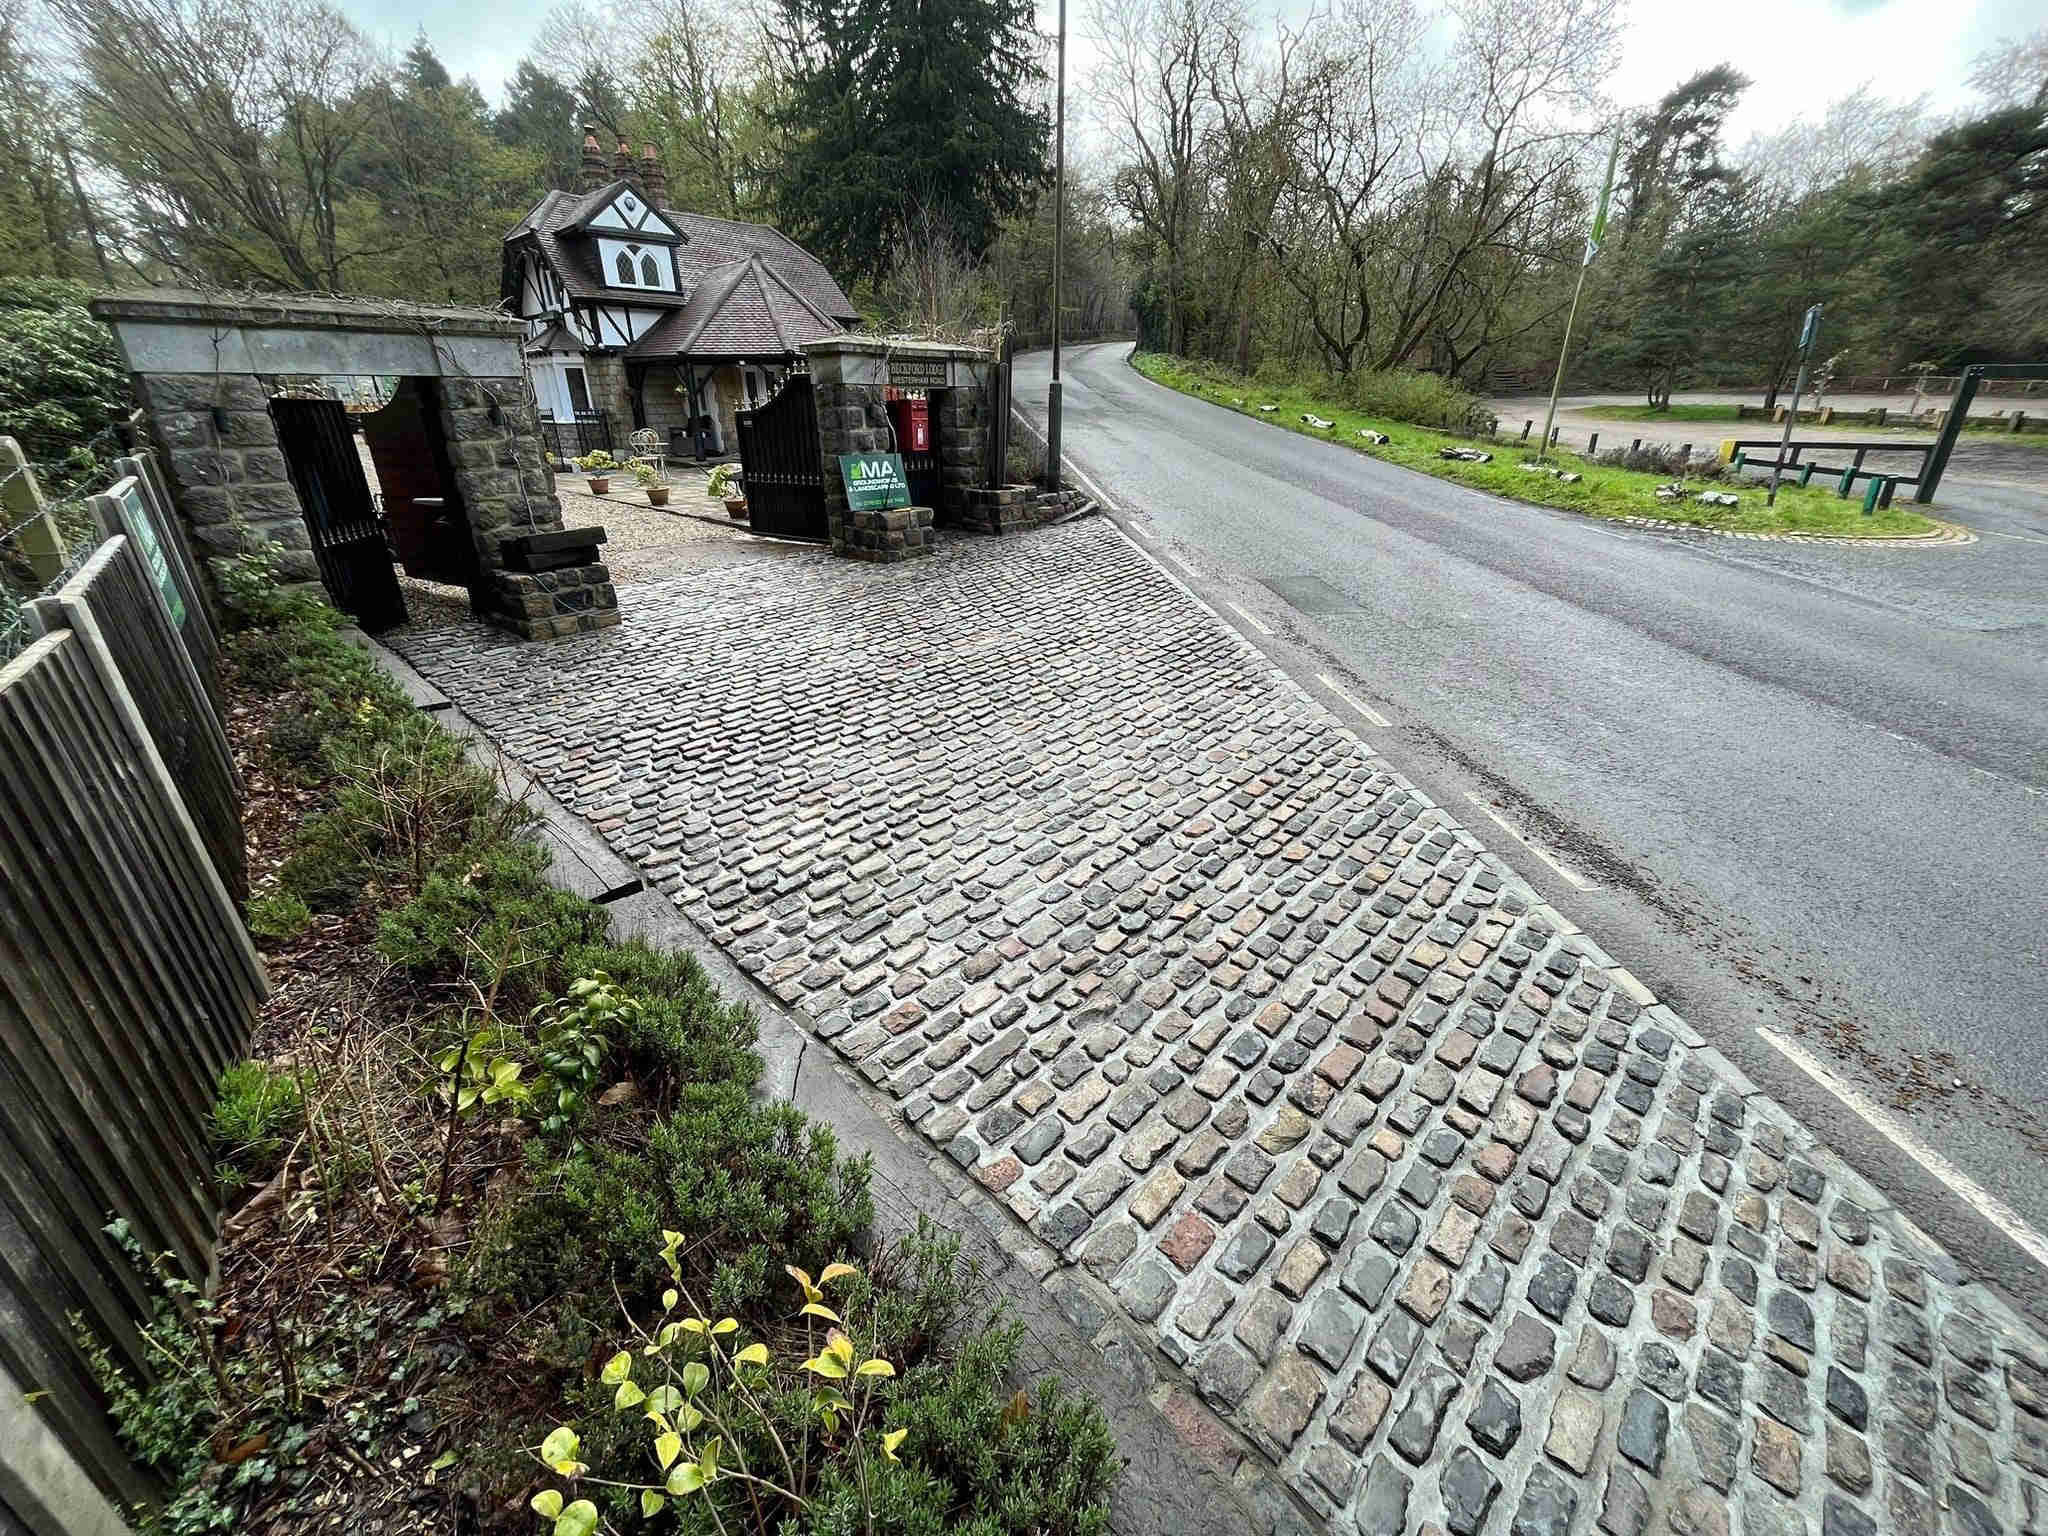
1432	1205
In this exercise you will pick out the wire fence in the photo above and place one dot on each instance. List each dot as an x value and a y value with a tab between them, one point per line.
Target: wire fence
47	532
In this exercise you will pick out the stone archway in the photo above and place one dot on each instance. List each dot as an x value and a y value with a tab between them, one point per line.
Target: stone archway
205	368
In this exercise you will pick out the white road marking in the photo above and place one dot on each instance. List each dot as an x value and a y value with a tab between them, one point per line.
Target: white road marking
1072	468
1373	716
1570	877
2024	538
1973	1194
1249	617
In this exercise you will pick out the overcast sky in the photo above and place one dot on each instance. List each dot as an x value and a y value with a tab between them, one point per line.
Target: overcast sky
1800	53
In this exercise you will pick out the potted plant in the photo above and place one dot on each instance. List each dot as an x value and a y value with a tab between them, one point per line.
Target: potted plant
650	480
599	467
726	487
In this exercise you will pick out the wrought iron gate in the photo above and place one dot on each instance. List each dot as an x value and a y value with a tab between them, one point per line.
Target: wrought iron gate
779	464
348	538
927	485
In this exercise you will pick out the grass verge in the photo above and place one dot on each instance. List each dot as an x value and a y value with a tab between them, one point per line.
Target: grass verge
512	1246
1602	490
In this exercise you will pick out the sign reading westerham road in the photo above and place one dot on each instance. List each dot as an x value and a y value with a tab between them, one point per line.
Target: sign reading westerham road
874	481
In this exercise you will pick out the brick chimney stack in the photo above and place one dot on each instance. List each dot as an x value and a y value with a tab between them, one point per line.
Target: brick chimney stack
622	161
653	179
591	176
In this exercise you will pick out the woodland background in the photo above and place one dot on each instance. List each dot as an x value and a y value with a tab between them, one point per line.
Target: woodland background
1387	184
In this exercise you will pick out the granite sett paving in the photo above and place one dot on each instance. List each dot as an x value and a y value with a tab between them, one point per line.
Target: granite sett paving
1444	1222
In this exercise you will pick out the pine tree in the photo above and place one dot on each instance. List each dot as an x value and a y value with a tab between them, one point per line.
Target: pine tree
905	113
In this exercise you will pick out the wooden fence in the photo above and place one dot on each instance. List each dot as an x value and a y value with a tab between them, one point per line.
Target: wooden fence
127	980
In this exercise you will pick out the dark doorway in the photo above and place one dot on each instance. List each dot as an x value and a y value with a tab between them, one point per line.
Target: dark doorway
579	390
428	521
780	469
347	536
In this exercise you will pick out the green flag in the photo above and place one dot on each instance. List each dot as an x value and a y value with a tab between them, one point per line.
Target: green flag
1599	230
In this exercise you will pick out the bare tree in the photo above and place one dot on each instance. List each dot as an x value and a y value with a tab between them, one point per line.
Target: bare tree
229	124
586	46
1365	116
2014	73
932	287
695	82
1158	107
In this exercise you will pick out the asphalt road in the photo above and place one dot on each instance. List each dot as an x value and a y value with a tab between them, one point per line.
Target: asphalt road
1810	785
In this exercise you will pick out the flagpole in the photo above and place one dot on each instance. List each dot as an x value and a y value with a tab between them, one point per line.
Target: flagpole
1593	238
1557	380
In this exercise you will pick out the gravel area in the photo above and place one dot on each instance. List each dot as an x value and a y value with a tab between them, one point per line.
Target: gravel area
642	543
646	543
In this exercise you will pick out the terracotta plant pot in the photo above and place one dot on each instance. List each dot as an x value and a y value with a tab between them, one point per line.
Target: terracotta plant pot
600	484
657	495
735	507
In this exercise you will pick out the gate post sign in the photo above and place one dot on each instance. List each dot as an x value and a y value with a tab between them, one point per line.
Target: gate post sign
875	482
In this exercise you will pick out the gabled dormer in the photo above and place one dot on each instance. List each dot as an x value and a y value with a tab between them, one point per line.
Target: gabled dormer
619	209
632	244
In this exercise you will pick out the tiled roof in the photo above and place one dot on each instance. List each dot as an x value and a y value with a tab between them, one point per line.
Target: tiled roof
744	309
710	246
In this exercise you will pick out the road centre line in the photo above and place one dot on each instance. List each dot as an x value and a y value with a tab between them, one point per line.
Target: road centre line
1372	716
1973	1194
1571	877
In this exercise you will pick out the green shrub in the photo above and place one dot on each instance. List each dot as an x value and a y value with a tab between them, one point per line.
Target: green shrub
253	598
278	915
821	1408
685	1030
745	1179
62	383
297	739
491	915
1044	1471
1426	399
258	1111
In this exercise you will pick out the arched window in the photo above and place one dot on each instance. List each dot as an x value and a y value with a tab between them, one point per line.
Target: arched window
625	265
650	275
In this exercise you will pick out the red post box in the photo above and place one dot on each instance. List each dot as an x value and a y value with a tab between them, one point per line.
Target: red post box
912	420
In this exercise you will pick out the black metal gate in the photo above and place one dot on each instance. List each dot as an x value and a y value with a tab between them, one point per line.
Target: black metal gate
780	468
586	432
927	485
348	539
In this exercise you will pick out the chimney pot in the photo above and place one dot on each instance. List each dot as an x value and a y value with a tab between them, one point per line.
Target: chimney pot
653	178
590	174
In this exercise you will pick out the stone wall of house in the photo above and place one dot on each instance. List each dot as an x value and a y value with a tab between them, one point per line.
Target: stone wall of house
668	411
605	378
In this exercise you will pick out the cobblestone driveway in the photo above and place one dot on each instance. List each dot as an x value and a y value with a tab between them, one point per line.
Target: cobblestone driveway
1419	1197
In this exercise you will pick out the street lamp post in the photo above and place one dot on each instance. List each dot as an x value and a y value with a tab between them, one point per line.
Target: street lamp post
1059	231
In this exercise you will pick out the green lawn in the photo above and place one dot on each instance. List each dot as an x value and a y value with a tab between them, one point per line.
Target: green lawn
1602	492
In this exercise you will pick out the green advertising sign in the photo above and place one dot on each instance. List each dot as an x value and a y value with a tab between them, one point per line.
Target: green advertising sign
136	519
874	481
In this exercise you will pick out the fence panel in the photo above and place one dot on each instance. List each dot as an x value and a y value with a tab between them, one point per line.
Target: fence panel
113	594
126	983
131	506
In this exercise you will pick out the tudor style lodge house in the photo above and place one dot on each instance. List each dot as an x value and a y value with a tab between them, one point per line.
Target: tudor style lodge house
641	315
